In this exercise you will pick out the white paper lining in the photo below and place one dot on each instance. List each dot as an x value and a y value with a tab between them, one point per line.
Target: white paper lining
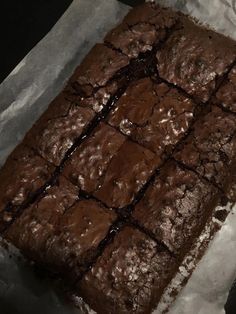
26	93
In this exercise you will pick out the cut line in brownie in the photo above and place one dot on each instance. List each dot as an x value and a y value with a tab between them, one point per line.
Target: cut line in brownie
130	276
226	95
154	115
58	128
144	27
176	206
194	58
210	149
21	176
110	167
60	231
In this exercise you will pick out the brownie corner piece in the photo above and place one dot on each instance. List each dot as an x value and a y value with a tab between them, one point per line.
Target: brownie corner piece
21	176
143	28
130	276
176	207
97	68
194	58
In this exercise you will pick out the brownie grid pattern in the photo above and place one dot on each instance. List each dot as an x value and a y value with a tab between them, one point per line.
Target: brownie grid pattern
114	183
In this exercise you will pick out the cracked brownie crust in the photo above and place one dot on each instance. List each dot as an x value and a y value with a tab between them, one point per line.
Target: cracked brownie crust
115	182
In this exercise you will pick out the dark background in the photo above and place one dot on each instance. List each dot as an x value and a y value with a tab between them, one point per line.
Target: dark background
22	24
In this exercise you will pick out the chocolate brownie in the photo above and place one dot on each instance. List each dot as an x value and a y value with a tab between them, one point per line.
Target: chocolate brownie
194	58
38	222
226	95
141	29
23	174
130	275
88	164
126	174
176	206
47	137
154	115
98	67
211	149
75	244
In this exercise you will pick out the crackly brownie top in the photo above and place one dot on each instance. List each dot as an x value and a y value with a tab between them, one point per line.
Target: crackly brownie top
131	271
175	207
154	115
98	67
29	171
194	57
33	228
142	28
47	136
226	95
210	148
78	235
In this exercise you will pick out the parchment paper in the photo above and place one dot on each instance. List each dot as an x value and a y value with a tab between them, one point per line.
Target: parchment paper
25	94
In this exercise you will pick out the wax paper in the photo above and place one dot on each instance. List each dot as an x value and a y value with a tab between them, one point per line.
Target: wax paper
26	93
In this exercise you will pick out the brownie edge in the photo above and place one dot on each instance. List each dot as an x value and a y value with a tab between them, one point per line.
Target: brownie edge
129	277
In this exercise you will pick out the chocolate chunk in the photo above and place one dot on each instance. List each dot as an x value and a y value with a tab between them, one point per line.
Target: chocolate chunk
58	128
226	95
194	58
154	115
176	207
98	67
129	277
211	149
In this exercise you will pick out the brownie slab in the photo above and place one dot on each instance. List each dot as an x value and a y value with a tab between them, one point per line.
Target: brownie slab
98	67
176	207
194	58
226	95
22	175
130	275
154	115
141	29
38	222
58	128
89	162
211	149
75	244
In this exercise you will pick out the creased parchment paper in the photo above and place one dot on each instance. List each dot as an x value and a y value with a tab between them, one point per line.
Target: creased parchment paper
25	94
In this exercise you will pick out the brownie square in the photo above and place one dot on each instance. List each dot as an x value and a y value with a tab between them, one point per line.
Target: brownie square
88	164
58	128
154	115
176	206
226	95
129	277
194	58
76	241
145	27
210	149
98	67
38	222
126	174
22	175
